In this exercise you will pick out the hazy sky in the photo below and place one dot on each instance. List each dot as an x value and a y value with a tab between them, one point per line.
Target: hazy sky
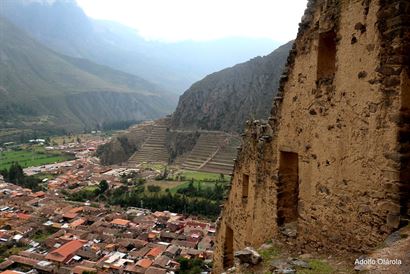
175	20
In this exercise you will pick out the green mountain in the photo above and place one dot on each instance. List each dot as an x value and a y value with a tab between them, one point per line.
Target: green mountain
42	91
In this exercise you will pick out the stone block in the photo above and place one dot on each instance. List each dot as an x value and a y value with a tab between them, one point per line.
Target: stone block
248	255
393	220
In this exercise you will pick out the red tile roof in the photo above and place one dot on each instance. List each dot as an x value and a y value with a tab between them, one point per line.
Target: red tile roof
152	235
30	262
79	269
196	224
155	270
23	216
145	263
39	194
64	252
76	209
70	215
154	252
77	222
6	264
120	222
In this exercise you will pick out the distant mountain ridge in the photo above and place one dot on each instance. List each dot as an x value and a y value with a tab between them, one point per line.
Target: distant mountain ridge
62	26
43	91
224	100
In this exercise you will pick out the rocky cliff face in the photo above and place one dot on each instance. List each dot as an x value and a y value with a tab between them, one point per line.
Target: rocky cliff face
221	101
226	99
123	145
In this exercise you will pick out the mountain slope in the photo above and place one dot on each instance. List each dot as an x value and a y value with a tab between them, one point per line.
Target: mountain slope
62	26
226	99
41	90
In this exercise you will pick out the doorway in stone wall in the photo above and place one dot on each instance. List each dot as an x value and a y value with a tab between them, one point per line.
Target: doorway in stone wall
288	189
228	248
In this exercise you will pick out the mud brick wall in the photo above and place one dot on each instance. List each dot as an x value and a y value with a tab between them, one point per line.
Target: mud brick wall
343	111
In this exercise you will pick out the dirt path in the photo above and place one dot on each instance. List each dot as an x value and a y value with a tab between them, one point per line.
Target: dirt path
387	258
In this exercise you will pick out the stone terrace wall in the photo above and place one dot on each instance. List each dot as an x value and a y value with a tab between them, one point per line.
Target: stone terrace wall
343	108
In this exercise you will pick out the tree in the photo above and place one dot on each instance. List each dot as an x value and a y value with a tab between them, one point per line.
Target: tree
152	188
139	189
190	190
165	174
15	175
222	177
103	186
190	266
47	141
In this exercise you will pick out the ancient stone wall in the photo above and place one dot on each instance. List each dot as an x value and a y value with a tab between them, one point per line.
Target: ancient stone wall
342	111
394	27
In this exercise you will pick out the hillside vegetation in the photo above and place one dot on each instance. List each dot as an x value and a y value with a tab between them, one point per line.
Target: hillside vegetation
42	91
64	27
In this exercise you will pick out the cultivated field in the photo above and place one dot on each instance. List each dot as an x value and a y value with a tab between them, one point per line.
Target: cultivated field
205	180
31	156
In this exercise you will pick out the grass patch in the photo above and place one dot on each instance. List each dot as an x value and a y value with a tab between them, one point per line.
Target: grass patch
31	156
89	188
65	139
317	267
84	194
269	253
41	236
165	184
154	166
202	176
43	176
15	250
204	185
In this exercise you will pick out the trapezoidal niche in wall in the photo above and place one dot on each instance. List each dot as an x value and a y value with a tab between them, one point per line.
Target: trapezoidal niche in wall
326	56
288	188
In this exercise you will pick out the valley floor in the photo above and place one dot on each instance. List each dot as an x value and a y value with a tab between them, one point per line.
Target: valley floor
110	217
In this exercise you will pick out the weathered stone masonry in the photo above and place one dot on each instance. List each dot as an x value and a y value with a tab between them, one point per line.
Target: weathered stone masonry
333	158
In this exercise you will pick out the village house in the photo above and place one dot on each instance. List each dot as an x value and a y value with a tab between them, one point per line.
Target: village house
73	237
64	253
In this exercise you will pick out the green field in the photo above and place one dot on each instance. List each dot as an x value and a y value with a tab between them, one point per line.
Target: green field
154	166
90	188
202	176
31	156
182	178
204	185
43	175
173	186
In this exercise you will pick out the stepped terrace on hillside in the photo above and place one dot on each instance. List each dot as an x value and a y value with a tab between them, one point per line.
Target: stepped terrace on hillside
153	149
213	152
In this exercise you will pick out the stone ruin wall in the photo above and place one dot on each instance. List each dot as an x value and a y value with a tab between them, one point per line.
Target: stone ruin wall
351	134
394	26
